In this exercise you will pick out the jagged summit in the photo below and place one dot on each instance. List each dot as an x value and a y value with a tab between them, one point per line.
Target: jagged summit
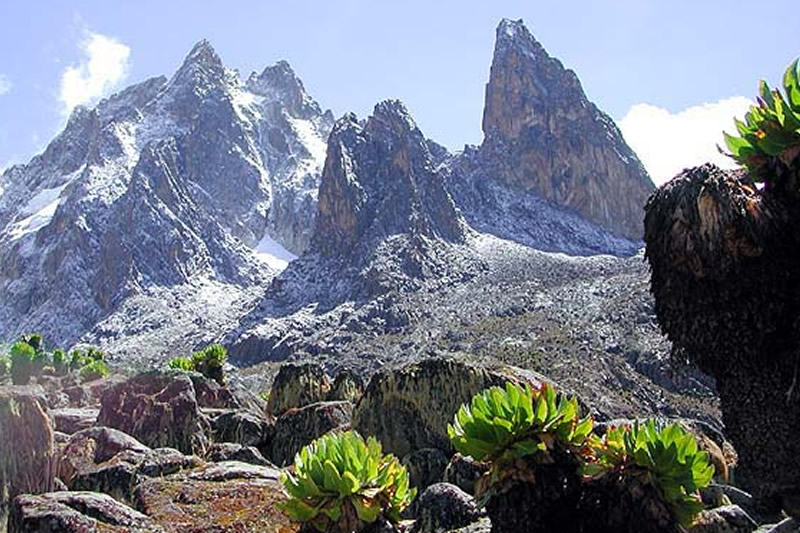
201	68
379	180
279	82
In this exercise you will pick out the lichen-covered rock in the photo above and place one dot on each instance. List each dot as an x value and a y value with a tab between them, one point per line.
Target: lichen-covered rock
347	385
219	498
408	409
299	427
158	408
444	507
228	451
297	385
77	512
425	467
727	519
27	448
73	419
464	472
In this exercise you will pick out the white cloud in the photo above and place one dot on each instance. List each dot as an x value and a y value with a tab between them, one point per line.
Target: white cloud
669	142
5	84
105	65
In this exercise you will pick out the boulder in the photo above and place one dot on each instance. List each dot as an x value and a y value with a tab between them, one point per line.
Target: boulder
408	409
299	427
464	472
228	451
77	512
73	419
726	519
218	498
425	467
243	427
106	460
443	507
297	385
27	447
158	408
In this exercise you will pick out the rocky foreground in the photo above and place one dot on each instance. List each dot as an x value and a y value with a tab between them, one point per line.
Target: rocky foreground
174	451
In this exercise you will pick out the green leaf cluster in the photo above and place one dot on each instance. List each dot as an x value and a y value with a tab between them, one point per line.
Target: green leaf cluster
771	129
665	457
182	363
21	354
505	424
342	482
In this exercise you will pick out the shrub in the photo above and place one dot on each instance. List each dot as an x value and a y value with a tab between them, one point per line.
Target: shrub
209	362
77	360
95	354
21	354
182	363
770	133
94	370
666	458
341	483
60	361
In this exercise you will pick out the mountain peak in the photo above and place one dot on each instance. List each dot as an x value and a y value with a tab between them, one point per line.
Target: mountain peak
393	111
202	52
279	82
202	66
552	140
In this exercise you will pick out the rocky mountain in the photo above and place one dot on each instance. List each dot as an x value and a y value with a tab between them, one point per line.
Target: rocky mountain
171	215
201	184
542	134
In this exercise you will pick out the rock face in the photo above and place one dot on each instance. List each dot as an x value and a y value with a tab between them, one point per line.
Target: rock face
159	409
444	507
543	135
27	451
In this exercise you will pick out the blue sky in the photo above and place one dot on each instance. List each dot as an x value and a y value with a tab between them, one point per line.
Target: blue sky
669	72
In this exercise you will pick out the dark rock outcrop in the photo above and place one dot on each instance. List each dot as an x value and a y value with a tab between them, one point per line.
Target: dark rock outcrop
228	451
464	472
160	409
298	427
77	512
243	427
425	467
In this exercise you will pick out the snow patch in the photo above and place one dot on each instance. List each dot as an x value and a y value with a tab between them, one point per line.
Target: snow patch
41	209
271	252
308	134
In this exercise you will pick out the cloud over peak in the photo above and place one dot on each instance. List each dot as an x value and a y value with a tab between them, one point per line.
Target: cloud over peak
104	66
669	142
